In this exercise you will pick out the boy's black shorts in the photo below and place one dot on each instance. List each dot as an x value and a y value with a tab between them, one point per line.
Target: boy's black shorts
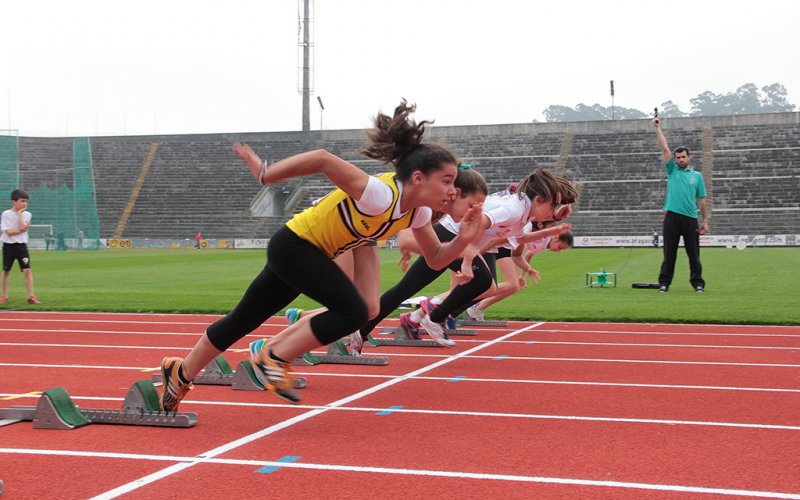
16	252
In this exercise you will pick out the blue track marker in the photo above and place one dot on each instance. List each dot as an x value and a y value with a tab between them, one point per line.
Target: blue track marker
498	358
457	378
389	410
272	468
531	342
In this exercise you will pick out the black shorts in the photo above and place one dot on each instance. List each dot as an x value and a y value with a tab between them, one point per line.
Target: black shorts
18	252
503	253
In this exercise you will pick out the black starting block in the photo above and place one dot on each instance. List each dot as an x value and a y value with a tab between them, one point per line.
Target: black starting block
401	339
475	322
451	332
219	372
338	354
56	410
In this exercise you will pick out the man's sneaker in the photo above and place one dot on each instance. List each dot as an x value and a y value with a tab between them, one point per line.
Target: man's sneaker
450	322
3	300
699	289
356	344
33	300
293	314
411	328
436	331
663	289
274	375
475	313
174	388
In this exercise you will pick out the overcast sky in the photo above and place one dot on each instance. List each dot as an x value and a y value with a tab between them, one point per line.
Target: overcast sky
105	67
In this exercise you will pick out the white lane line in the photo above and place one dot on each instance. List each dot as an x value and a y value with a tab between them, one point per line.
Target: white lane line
113	332
482	414
680	387
126	488
463	340
414	472
627	344
504	357
692	334
282	324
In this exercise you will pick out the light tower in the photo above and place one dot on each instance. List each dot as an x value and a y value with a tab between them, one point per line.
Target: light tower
305	57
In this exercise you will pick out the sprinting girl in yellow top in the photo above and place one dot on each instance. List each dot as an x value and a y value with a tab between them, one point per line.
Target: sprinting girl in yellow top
300	255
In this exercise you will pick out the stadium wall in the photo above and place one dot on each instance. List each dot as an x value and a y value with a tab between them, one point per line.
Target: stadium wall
169	187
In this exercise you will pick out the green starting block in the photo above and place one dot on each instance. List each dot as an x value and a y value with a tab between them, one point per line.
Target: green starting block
56	410
602	279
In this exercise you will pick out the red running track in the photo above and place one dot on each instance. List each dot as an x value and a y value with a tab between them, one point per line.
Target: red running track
554	410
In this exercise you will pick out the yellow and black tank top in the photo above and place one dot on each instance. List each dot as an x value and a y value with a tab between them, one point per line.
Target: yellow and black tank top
335	225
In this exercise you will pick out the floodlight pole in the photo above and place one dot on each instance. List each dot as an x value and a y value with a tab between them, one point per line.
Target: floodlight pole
306	68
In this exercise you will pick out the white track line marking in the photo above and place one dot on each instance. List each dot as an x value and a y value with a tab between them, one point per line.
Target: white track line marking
415	472
505	358
464	413
126	488
628	344
694	334
462	340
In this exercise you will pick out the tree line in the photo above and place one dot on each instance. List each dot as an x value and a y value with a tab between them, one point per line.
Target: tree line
747	99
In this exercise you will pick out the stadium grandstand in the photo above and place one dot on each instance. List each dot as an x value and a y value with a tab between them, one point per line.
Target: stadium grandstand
169	187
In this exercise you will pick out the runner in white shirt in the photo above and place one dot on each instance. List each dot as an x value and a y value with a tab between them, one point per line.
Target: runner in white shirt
508	261
539	197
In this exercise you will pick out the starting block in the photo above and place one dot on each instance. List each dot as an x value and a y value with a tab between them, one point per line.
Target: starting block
338	354
401	339
451	332
601	280
475	322
56	410
219	372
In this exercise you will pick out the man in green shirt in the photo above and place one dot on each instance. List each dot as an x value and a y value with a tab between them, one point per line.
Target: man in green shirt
684	188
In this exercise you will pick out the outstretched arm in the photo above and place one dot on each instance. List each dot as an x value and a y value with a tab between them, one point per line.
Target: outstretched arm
662	141
439	255
351	179
552	231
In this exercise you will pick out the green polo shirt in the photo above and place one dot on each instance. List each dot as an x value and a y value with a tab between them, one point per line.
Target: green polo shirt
683	187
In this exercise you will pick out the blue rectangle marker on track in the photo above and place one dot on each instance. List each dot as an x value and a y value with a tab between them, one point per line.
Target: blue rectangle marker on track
501	357
389	410
272	468
457	378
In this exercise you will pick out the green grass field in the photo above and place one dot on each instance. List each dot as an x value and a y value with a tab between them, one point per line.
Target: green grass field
754	286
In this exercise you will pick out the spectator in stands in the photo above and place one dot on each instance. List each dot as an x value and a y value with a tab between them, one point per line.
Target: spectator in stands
684	188
14	225
300	255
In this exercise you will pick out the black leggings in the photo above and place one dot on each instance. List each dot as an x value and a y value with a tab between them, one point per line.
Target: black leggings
294	266
420	275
